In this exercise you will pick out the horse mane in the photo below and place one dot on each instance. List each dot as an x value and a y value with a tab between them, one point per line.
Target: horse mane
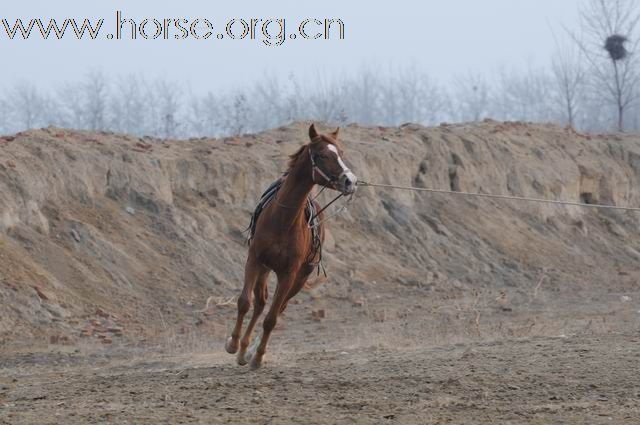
293	159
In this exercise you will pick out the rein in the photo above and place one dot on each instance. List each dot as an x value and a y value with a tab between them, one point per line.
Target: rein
311	223
315	168
338	211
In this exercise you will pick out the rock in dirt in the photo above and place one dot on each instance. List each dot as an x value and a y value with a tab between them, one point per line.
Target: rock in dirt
41	294
75	235
319	314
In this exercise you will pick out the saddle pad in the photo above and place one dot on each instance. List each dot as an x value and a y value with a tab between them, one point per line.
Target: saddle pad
268	196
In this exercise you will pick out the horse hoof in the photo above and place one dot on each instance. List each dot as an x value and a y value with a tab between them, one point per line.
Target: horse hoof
232	346
242	358
255	363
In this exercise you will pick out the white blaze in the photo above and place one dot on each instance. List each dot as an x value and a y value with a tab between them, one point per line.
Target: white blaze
345	170
335	150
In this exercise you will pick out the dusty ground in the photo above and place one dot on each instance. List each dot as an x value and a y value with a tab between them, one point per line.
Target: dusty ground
437	310
563	380
402	360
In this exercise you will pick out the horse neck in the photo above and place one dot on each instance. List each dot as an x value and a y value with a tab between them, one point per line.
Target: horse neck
296	189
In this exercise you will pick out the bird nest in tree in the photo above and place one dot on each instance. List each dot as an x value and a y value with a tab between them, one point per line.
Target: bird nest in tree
615	46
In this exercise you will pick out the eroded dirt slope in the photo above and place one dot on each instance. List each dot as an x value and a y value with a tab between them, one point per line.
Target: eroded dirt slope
99	231
121	258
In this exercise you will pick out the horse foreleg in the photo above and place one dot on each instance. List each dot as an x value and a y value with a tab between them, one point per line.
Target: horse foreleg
284	285
260	293
300	282
251	273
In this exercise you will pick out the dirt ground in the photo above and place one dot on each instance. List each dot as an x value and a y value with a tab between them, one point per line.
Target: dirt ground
120	261
351	368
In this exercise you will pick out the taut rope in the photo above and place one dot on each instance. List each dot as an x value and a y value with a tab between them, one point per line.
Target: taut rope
488	195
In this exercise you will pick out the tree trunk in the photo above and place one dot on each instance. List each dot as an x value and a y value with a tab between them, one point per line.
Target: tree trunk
619	94
620	118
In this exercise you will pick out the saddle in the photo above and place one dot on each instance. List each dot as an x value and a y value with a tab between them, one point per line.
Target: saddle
309	212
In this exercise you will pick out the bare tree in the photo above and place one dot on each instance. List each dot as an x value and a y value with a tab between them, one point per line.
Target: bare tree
293	104
434	101
593	115
95	100
569	78
238	115
4	116
362	95
409	98
135	106
168	107
390	113
610	45
72	106
27	104
269	98
524	96
153	116
471	97
420	99
205	117
327	100
128	107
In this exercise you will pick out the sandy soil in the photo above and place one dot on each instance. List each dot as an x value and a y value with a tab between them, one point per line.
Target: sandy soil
121	257
539	381
351	368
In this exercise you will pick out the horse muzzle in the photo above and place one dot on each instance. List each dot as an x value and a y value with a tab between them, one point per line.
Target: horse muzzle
347	183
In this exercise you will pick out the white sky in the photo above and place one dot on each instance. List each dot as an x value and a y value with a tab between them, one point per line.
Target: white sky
437	36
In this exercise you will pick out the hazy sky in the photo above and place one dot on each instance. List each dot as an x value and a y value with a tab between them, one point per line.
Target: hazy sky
439	37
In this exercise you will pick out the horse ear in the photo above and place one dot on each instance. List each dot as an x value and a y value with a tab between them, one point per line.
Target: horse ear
336	133
312	132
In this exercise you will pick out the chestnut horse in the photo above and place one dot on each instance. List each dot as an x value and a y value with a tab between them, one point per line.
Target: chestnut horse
283	241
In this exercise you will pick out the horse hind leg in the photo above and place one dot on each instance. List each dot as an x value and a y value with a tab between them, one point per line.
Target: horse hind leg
302	281
260	293
251	273
284	285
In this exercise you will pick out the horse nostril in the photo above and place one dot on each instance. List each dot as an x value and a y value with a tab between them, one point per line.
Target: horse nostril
348	182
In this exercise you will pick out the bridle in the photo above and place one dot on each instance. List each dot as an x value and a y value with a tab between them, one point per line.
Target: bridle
315	168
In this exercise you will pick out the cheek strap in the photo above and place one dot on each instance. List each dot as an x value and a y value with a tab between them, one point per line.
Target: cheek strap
315	169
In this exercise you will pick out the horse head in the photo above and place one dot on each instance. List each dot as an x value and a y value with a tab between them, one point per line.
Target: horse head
328	168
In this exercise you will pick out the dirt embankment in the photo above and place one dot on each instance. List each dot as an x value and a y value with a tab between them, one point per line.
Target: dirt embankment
120	258
104	235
